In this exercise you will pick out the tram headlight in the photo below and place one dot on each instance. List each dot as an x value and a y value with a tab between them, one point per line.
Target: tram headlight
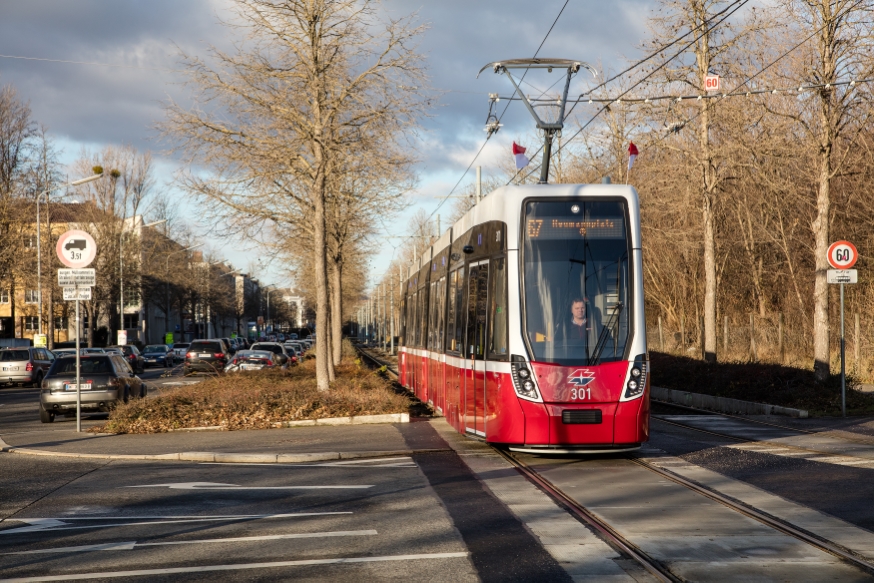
637	377
523	381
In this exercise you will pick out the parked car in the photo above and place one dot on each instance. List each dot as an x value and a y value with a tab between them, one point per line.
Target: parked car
113	351
106	380
232	348
277	349
252	360
158	355
180	348
24	366
133	357
210	356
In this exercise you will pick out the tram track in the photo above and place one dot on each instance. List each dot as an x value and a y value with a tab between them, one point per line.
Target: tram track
628	548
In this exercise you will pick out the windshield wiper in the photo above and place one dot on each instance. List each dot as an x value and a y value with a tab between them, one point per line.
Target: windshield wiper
602	338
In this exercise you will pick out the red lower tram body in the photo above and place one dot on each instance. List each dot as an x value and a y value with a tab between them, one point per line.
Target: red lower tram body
478	398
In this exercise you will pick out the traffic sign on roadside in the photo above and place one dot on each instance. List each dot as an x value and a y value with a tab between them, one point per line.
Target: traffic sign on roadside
76	249
842	255
77	293
711	82
77	277
842	276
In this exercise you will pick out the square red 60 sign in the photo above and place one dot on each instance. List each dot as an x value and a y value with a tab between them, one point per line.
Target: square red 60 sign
76	249
842	255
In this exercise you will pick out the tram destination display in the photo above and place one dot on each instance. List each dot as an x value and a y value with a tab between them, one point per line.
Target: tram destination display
565	227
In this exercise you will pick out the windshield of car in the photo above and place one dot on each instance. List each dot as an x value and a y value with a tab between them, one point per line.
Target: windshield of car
11	355
155	348
89	365
576	280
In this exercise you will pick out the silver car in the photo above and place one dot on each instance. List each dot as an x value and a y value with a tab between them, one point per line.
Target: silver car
25	365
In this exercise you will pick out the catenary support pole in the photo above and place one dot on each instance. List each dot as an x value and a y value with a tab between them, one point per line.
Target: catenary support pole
392	316
661	336
781	347
479	184
857	339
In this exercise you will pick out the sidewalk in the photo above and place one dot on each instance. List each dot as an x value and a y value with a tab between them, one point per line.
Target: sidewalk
254	446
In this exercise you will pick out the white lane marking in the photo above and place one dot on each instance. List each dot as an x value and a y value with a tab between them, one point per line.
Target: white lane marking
40	526
130	545
841	460
220	486
237	567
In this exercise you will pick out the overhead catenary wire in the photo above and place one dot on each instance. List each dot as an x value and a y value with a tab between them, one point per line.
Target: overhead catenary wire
725	14
489	136
734	92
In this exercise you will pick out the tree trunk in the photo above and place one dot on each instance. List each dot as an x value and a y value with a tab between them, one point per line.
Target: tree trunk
821	352
323	363
336	311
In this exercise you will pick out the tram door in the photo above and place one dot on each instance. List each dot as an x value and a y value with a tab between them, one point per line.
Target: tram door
475	347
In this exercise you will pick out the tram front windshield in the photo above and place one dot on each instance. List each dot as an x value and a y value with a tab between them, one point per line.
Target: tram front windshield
576	257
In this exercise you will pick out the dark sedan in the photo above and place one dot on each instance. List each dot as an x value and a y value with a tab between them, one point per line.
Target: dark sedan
105	381
210	356
158	355
133	357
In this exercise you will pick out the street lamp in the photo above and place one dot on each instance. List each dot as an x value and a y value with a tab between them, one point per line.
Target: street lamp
167	281
39	239
121	270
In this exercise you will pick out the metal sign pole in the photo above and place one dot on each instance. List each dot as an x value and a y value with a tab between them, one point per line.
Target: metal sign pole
843	367
78	386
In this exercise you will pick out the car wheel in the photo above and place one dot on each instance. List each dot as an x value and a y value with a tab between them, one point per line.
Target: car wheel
45	416
37	383
142	390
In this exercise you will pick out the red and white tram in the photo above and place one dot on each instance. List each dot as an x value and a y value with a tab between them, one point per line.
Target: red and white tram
524	323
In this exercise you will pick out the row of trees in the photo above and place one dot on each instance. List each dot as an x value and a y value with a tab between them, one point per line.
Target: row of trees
302	131
146	262
741	196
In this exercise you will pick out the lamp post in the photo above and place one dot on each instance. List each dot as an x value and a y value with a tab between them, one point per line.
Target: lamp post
46	193
167	282
121	271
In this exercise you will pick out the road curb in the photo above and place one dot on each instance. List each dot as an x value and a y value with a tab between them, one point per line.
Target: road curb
224	457
353	420
723	404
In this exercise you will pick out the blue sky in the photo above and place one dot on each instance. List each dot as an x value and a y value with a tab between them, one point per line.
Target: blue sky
90	105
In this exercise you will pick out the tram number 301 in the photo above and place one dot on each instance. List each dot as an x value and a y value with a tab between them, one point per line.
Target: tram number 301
581	393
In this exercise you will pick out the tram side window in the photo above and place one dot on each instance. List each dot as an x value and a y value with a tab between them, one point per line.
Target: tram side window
450	321
440	301
414	332
432	318
477	303
498	332
422	321
460	314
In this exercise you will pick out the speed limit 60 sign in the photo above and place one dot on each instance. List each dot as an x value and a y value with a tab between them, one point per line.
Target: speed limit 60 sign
842	255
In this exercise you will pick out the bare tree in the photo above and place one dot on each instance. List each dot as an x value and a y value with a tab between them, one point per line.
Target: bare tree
314	81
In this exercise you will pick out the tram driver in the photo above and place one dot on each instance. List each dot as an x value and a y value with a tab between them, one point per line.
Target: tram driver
574	330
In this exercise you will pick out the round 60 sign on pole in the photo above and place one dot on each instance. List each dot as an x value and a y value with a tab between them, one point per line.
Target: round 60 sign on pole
842	255
76	249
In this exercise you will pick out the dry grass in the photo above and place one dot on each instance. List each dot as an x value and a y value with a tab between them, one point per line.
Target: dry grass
259	400
759	382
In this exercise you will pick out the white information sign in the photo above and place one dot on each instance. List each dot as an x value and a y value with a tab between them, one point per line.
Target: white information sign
711	83
76	249
77	277
77	293
843	276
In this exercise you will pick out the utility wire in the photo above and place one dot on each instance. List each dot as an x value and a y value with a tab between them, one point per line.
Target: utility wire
725	15
733	92
489	136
